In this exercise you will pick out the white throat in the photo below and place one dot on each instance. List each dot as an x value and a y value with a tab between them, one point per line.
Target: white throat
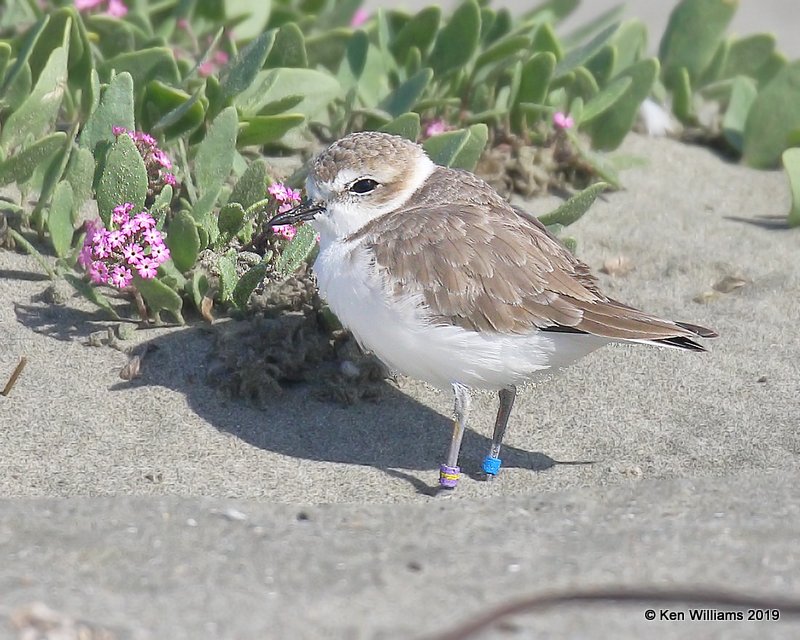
344	217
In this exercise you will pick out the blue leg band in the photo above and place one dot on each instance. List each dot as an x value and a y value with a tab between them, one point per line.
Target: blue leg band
491	465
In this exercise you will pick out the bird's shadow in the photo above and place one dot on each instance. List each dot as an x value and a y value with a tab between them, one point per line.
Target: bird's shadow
394	433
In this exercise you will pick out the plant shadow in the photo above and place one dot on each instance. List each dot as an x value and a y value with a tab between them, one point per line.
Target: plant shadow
61	322
27	276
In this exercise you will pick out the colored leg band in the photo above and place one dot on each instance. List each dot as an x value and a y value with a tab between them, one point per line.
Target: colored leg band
491	465
448	476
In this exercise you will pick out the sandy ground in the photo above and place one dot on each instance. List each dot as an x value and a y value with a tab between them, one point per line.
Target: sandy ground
159	509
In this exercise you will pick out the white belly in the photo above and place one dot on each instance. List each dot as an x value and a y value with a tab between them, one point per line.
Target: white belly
398	333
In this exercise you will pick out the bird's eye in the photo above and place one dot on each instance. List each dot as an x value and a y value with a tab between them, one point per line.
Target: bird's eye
364	185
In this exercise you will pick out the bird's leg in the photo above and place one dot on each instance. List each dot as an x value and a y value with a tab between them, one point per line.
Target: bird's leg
491	463
449	472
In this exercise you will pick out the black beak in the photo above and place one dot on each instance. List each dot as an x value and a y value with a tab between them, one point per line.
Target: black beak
306	210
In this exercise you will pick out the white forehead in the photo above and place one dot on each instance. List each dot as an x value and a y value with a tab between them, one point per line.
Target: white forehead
345	176
318	190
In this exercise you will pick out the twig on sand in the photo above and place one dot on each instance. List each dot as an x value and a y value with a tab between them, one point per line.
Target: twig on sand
13	379
645	596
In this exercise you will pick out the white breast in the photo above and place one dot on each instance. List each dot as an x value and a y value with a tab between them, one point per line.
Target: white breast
399	333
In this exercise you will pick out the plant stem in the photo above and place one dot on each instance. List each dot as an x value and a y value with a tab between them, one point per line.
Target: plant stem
252	210
141	306
187	176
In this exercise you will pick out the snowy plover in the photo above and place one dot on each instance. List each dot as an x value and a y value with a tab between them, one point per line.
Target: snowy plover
445	281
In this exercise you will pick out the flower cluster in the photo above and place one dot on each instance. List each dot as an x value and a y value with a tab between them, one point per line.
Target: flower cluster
215	62
116	8
360	16
288	197
435	127
156	161
563	120
132	244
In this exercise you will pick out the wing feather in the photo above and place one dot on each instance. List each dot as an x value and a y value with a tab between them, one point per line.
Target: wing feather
480	264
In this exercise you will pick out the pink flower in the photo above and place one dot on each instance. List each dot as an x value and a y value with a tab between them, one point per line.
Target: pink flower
145	138
133	253
278	191
99	244
563	121
116	239
161	158
287	231
155	160
147	268
85	256
359	17
144	220
282	193
125	208
214	63
109	256
288	197
85	5
112	256
117	8
152	236
435	127
159	253
120	277
129	227
101	251
121	213
98	272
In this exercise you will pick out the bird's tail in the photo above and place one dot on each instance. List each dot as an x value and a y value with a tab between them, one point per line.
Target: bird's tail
684	342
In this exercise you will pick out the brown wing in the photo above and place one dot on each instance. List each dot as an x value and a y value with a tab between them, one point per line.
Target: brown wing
483	266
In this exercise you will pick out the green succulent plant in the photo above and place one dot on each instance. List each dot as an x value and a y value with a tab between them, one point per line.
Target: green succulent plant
231	90
220	84
739	91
